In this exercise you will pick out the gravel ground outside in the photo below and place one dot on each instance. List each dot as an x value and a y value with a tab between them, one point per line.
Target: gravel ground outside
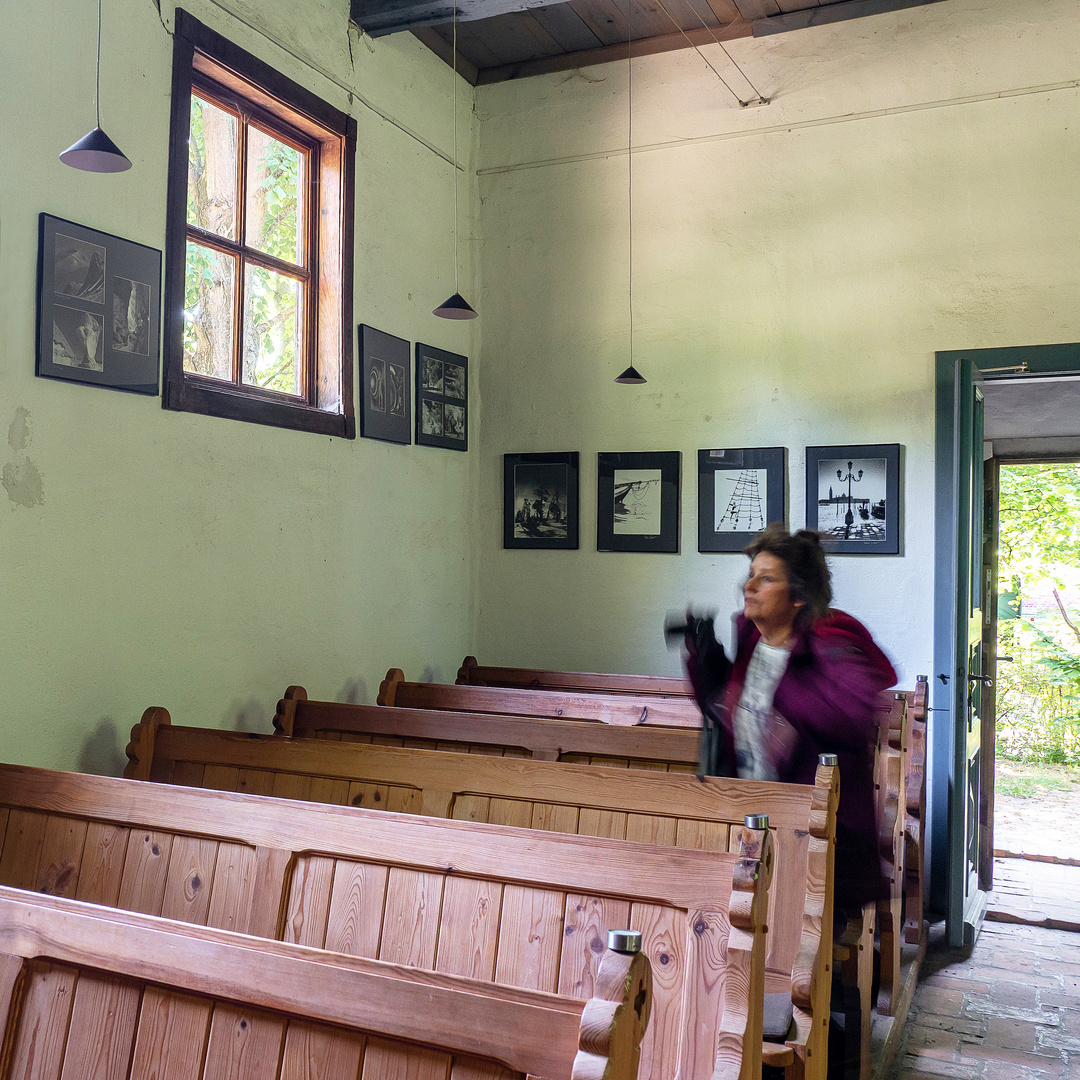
1037	810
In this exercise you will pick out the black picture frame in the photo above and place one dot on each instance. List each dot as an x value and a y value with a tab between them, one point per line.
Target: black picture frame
650	521
731	495
871	519
442	398
98	308
385	386
551	480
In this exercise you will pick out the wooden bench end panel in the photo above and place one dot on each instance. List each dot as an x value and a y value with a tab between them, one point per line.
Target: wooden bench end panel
613	1022
738	1054
467	675
140	750
285	717
389	686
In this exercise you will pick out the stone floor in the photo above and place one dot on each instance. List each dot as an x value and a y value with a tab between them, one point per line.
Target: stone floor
1007	1009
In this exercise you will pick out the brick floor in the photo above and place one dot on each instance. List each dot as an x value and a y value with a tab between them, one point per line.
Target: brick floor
1008	1009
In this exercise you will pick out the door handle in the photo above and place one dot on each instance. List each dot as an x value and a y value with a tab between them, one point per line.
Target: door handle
944	679
1000	659
984	679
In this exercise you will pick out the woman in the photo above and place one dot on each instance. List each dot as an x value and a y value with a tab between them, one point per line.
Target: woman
804	681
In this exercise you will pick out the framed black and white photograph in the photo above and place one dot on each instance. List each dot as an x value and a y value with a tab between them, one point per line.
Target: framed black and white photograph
442	398
853	498
540	500
637	501
384	386
739	493
98	310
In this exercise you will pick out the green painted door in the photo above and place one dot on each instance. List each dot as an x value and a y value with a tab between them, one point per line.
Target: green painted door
965	677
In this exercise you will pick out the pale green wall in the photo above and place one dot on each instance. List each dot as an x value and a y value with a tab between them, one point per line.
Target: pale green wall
796	267
194	562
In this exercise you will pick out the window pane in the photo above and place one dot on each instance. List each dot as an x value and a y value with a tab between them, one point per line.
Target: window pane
273	323
212	169
275	196
209	292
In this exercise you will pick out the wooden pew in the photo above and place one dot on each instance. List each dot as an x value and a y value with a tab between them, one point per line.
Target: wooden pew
504	905
623	709
87	991
672	809
471	673
669	749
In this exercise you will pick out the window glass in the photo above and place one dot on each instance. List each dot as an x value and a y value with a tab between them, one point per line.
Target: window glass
273	324
209	303
212	153
275	196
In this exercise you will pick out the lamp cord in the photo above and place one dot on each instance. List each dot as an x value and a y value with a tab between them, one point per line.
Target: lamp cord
456	255
97	84
630	162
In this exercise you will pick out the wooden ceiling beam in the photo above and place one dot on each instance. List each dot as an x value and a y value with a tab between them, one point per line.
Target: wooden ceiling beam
611	53
445	52
828	12
377	18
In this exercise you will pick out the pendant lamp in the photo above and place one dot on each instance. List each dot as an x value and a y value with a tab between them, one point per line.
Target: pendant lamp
456	307
96	152
631	376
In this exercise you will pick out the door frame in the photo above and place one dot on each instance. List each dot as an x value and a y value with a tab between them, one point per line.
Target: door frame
1040	359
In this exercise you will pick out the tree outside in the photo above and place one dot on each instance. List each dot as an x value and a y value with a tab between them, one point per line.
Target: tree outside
1038	694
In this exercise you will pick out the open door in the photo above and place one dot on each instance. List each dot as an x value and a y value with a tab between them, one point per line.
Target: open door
988	710
959	652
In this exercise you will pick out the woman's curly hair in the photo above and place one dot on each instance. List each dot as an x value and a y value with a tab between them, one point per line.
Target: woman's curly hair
809	579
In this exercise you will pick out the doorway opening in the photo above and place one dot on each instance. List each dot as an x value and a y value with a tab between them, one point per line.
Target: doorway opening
1037	693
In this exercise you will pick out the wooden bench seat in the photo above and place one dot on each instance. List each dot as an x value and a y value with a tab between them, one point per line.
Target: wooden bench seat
511	906
471	673
662	808
626	710
86	991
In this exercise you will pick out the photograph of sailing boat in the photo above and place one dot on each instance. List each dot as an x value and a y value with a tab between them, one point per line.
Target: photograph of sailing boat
852	497
637	506
637	502
540	500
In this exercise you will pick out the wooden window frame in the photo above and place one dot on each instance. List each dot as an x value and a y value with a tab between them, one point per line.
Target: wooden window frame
209	64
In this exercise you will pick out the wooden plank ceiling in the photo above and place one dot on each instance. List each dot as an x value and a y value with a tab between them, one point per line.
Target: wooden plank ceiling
512	39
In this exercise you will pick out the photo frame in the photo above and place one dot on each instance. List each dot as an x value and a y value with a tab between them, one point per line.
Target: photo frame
385	386
98	308
739	493
853	498
540	501
442	398
637	501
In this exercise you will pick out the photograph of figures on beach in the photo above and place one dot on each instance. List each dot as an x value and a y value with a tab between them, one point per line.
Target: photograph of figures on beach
637	501
740	491
854	495
98	305
540	500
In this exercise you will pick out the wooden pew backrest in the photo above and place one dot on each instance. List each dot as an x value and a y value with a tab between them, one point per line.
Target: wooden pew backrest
471	673
664	748
513	906
627	710
84	989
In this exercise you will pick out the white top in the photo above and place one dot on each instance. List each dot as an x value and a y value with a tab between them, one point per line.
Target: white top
754	713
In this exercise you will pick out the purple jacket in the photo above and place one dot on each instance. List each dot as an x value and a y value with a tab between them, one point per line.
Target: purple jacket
828	695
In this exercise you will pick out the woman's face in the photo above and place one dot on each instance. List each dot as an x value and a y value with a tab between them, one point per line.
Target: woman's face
767	594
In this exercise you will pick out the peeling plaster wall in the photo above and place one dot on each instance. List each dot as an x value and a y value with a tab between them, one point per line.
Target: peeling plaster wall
912	187
162	558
